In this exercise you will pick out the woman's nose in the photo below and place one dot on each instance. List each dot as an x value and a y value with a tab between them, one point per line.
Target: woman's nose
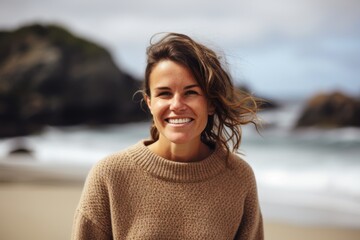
177	103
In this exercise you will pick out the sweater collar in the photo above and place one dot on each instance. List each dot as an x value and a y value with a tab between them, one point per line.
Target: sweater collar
169	170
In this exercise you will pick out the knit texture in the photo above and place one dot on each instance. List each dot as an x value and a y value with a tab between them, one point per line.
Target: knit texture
136	194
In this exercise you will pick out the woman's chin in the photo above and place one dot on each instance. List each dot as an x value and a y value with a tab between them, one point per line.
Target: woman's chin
178	138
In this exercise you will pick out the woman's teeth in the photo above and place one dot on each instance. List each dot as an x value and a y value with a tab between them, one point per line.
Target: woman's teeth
179	120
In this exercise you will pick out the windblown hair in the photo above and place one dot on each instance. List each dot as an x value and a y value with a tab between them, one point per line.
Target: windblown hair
233	107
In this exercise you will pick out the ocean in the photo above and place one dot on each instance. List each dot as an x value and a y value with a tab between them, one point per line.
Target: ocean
307	176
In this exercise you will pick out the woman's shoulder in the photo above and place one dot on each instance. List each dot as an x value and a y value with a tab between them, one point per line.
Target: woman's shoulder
114	159
240	166
116	162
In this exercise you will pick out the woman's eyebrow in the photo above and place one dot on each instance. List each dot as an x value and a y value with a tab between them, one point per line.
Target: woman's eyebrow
168	88
162	88
191	86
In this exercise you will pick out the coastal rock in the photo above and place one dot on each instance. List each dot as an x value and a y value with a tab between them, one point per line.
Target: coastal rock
50	77
330	110
19	147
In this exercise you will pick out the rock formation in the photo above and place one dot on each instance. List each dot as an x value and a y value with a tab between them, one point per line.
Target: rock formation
50	77
330	110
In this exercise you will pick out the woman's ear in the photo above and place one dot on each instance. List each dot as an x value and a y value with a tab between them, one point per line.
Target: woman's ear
148	101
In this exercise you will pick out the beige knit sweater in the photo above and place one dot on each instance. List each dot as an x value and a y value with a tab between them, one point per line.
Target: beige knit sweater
135	194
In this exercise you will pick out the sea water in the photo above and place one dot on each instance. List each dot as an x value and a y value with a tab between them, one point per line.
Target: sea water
307	176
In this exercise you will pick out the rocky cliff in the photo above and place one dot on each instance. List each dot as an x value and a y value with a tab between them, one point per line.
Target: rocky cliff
328	110
48	76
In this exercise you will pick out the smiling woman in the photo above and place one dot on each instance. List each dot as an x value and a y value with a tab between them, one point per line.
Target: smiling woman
186	182
180	111
229	108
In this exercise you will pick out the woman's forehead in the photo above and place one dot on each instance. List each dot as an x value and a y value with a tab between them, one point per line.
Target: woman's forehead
168	73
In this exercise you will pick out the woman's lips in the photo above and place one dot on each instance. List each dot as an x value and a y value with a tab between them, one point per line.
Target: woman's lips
178	120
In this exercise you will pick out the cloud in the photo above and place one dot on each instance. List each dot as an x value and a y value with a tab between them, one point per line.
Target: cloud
235	21
283	42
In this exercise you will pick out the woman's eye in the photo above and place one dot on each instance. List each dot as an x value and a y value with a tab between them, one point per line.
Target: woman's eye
163	94
191	92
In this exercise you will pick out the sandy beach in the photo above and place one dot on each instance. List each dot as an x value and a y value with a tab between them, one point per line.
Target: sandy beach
41	210
37	210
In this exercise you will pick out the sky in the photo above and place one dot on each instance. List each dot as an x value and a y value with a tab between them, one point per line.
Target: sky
278	48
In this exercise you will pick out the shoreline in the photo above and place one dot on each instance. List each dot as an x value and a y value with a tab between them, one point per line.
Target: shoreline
293	206
45	210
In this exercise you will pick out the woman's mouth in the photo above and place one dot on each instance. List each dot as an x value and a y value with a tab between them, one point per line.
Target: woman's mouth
178	120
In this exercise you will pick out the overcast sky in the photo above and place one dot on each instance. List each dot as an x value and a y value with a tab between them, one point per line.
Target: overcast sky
279	48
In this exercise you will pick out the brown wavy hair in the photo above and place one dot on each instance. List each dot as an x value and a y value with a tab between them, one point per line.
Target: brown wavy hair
233	107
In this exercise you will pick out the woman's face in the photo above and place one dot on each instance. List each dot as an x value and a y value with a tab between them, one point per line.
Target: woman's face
179	107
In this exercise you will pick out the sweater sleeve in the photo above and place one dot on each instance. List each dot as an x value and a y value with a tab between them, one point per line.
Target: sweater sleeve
92	219
251	226
85	229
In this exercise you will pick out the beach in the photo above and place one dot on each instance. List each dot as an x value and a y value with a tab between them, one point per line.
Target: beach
45	210
307	181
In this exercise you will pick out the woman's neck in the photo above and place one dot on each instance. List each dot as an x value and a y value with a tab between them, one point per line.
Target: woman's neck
188	152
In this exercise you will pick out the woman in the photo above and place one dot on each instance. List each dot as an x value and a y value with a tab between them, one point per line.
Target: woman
186	182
